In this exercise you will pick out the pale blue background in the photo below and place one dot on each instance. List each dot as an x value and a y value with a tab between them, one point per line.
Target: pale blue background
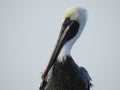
29	30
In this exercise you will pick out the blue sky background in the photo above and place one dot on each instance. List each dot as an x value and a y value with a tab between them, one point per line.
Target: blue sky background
28	33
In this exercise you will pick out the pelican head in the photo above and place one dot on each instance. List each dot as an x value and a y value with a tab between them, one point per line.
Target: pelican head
74	21
78	14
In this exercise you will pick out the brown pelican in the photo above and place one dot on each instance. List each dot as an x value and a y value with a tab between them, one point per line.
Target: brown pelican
62	73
